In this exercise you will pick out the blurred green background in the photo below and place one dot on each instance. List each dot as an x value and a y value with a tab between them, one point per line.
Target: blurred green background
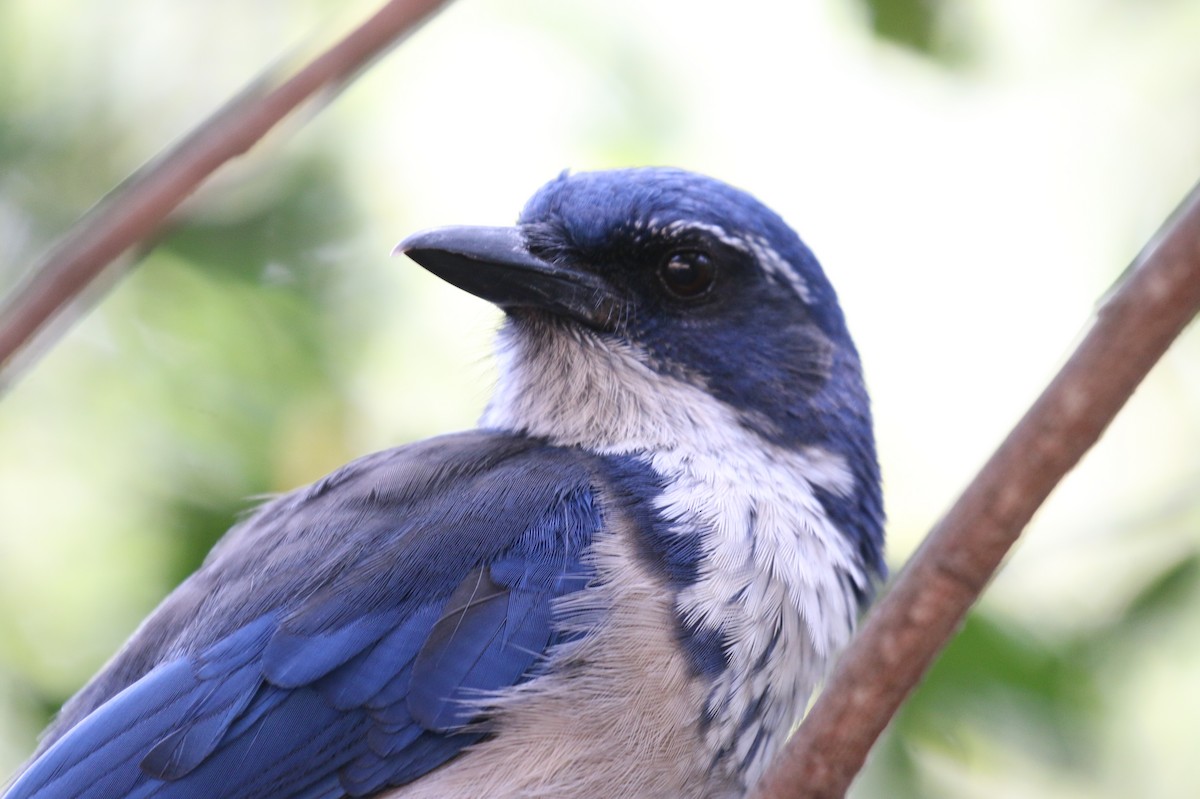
974	175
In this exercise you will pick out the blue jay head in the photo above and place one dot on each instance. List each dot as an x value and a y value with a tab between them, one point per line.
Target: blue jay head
703	284
706	283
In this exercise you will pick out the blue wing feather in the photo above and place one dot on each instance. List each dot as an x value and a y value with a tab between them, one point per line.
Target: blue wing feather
337	642
219	703
101	755
300	743
361	683
295	659
235	650
496	625
464	655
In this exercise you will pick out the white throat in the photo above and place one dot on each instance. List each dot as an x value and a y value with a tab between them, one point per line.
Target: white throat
777	578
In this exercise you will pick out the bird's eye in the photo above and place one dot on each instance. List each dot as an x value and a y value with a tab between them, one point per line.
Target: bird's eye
687	273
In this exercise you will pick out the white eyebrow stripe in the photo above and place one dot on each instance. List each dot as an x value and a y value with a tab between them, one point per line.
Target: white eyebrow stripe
777	267
716	231
774	264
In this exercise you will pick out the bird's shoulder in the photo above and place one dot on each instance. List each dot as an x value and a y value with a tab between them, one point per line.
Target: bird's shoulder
341	637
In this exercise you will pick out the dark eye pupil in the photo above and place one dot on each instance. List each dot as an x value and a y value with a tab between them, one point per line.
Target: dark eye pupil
687	274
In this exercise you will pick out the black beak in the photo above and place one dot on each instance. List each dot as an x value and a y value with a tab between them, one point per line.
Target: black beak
494	263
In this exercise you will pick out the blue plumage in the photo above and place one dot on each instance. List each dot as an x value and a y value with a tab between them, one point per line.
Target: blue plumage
391	677
625	583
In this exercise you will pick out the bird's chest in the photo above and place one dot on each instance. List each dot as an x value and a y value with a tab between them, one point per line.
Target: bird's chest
625	708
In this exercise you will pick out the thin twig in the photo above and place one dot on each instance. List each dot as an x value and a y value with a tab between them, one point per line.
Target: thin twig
910	625
138	208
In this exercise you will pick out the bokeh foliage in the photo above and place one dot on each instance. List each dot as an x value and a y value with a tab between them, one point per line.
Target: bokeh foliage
266	338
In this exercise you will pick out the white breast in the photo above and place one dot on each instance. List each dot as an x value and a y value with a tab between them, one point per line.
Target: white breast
776	580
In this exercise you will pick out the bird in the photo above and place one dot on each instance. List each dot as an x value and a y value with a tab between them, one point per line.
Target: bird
628	580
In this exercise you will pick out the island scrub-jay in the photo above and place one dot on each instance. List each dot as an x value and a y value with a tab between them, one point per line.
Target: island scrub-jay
625	583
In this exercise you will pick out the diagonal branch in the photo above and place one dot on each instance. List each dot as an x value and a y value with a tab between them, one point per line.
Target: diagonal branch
1157	298
138	208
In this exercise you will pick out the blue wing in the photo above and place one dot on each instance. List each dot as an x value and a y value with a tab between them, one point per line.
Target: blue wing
340	640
